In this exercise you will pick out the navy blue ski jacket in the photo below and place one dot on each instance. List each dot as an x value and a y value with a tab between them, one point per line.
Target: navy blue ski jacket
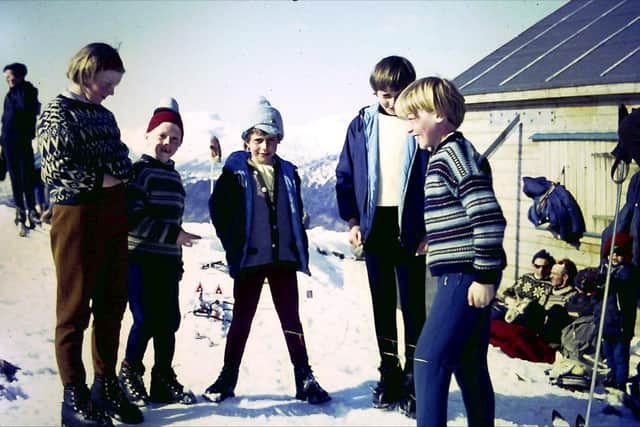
231	207
554	204
357	180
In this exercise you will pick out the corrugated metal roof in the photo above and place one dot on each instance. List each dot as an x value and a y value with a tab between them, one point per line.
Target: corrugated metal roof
582	43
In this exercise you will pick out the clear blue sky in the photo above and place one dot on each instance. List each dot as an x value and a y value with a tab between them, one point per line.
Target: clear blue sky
310	58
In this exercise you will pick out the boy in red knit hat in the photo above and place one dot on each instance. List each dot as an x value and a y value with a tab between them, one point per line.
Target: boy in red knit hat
155	205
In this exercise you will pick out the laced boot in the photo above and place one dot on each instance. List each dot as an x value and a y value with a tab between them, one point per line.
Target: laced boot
407	405
224	386
132	384
21	216
20	219
78	410
33	219
109	397
165	388
389	389
307	387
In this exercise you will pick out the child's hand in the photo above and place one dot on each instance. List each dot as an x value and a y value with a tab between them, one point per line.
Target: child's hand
186	239
355	237
422	248
480	295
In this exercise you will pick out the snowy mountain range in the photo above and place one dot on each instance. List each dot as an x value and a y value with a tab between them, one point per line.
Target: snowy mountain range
314	148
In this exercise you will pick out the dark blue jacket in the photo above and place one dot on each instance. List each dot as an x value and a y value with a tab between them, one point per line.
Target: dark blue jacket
620	318
628	219
231	207
21	107
357	180
553	204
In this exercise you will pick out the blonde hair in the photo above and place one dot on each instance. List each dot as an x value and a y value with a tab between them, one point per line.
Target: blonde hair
92	59
432	94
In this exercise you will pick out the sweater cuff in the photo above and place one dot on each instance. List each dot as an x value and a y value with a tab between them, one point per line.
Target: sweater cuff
486	277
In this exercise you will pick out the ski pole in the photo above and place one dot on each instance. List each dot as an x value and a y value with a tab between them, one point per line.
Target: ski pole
618	174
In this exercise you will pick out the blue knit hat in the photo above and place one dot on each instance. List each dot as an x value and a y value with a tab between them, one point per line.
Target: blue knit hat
266	118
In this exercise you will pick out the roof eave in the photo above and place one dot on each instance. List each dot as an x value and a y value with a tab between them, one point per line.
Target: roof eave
565	95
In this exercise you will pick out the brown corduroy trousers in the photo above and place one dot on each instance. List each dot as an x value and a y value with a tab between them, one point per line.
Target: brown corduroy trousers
89	246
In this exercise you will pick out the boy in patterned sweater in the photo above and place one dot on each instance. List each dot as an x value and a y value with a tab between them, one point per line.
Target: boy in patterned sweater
465	229
155	204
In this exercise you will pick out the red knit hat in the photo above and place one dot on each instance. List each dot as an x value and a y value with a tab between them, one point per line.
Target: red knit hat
622	243
161	115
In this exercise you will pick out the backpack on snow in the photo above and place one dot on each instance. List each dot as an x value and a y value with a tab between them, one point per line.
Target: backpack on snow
579	338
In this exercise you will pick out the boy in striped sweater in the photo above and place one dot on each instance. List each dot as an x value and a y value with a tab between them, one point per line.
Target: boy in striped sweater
464	233
155	204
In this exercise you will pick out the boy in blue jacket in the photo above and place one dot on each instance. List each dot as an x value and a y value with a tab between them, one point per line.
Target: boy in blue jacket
379	188
464	234
256	209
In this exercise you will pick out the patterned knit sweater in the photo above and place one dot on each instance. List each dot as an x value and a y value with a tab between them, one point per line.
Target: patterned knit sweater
464	222
79	142
155	205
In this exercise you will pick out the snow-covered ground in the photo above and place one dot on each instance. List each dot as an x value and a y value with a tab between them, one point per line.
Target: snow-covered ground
335	308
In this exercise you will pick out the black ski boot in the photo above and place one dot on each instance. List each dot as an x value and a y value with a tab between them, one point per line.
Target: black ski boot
33	219
223	387
109	397
78	410
407	404
307	387
21	217
132	384
389	389
165	388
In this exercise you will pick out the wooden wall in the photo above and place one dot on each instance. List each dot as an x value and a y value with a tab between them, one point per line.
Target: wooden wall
586	167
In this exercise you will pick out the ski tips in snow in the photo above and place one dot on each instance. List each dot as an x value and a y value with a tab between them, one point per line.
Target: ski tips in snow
557	420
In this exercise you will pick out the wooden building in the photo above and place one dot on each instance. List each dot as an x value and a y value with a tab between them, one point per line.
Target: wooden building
547	103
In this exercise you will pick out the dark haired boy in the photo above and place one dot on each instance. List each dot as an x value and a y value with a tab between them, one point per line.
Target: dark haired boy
379	187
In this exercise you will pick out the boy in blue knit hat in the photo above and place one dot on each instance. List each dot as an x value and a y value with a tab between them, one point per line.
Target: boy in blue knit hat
465	230
256	209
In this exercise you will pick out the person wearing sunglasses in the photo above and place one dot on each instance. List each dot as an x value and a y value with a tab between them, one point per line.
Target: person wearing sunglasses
532	286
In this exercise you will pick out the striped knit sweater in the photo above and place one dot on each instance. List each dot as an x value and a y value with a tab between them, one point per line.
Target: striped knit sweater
155	204
464	222
79	142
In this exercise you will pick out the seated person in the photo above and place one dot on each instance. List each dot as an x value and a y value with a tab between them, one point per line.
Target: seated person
535	285
587	283
512	303
562	276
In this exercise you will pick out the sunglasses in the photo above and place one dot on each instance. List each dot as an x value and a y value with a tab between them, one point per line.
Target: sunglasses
540	266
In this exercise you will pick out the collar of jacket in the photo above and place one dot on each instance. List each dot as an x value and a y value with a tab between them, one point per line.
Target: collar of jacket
170	165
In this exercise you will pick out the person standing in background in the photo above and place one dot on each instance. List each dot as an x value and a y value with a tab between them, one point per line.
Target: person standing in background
21	108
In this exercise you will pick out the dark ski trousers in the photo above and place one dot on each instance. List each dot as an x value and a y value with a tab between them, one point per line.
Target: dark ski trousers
283	284
454	341
89	245
616	350
153	301
19	158
387	261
